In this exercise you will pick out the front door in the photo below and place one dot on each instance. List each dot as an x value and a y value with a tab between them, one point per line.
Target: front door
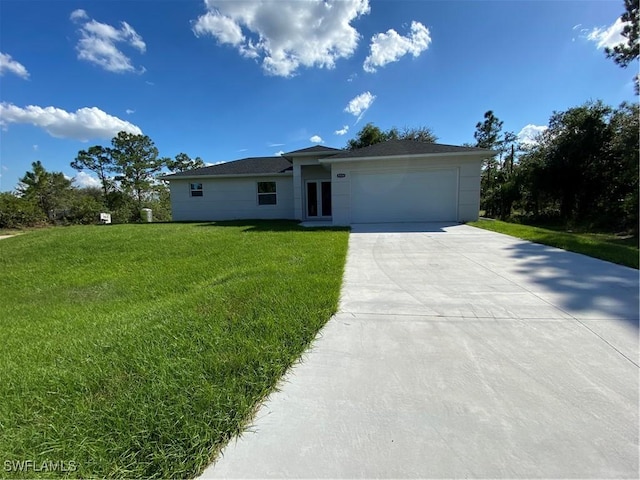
318	199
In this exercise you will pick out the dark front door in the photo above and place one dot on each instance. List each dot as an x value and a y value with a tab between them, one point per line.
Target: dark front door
318	199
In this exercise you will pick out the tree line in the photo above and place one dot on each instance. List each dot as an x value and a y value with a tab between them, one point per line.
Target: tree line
128	173
581	172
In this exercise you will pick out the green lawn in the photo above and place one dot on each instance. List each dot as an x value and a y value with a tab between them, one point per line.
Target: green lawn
621	250
139	350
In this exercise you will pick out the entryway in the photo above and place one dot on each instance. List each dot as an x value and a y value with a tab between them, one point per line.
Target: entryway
318	199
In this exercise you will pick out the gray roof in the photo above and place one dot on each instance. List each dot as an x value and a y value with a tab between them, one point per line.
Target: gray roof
405	147
314	149
275	165
245	166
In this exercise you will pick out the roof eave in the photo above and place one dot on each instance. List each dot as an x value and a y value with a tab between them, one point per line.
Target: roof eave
479	154
228	175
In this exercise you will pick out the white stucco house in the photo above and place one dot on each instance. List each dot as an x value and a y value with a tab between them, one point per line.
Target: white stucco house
394	181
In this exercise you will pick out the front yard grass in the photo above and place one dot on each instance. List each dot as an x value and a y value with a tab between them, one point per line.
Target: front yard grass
139	350
609	247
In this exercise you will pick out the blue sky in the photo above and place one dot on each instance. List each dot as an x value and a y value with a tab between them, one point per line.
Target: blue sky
224	80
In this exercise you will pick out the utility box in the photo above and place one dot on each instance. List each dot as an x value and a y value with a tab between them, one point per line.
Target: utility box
105	218
146	215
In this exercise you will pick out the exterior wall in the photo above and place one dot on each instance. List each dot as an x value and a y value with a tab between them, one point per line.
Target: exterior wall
468	182
469	191
236	198
316	172
230	199
297	191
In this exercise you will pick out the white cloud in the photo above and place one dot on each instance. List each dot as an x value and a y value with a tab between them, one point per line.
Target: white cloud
83	179
83	124
607	37
530	133
352	77
360	104
342	131
285	35
35	148
98	41
275	144
128	111
390	47
8	64
224	29
316	139
279	153
79	14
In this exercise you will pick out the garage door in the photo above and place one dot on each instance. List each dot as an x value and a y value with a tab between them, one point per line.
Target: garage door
414	196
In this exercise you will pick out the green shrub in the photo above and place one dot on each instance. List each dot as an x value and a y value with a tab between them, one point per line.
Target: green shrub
18	212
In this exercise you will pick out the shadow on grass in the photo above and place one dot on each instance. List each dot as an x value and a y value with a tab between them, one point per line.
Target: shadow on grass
294	226
584	284
624	241
268	226
602	236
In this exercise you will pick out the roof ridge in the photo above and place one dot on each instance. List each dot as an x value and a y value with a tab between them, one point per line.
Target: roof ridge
312	149
406	146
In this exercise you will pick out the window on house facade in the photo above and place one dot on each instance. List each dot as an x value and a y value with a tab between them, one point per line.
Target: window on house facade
195	189
267	193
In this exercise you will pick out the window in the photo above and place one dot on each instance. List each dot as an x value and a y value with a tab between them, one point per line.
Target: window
195	189
267	193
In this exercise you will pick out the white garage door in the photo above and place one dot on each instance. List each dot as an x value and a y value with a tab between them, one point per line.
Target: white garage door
414	196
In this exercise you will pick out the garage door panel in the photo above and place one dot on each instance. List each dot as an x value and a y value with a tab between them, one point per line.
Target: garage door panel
416	196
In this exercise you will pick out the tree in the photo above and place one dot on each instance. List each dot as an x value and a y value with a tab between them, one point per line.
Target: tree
419	134
624	188
488	135
83	206
183	162
17	212
370	135
136	163
161	203
98	160
584	171
508	150
48	190
626	52
576	156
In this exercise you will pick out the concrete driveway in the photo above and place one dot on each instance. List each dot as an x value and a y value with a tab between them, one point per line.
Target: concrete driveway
459	352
